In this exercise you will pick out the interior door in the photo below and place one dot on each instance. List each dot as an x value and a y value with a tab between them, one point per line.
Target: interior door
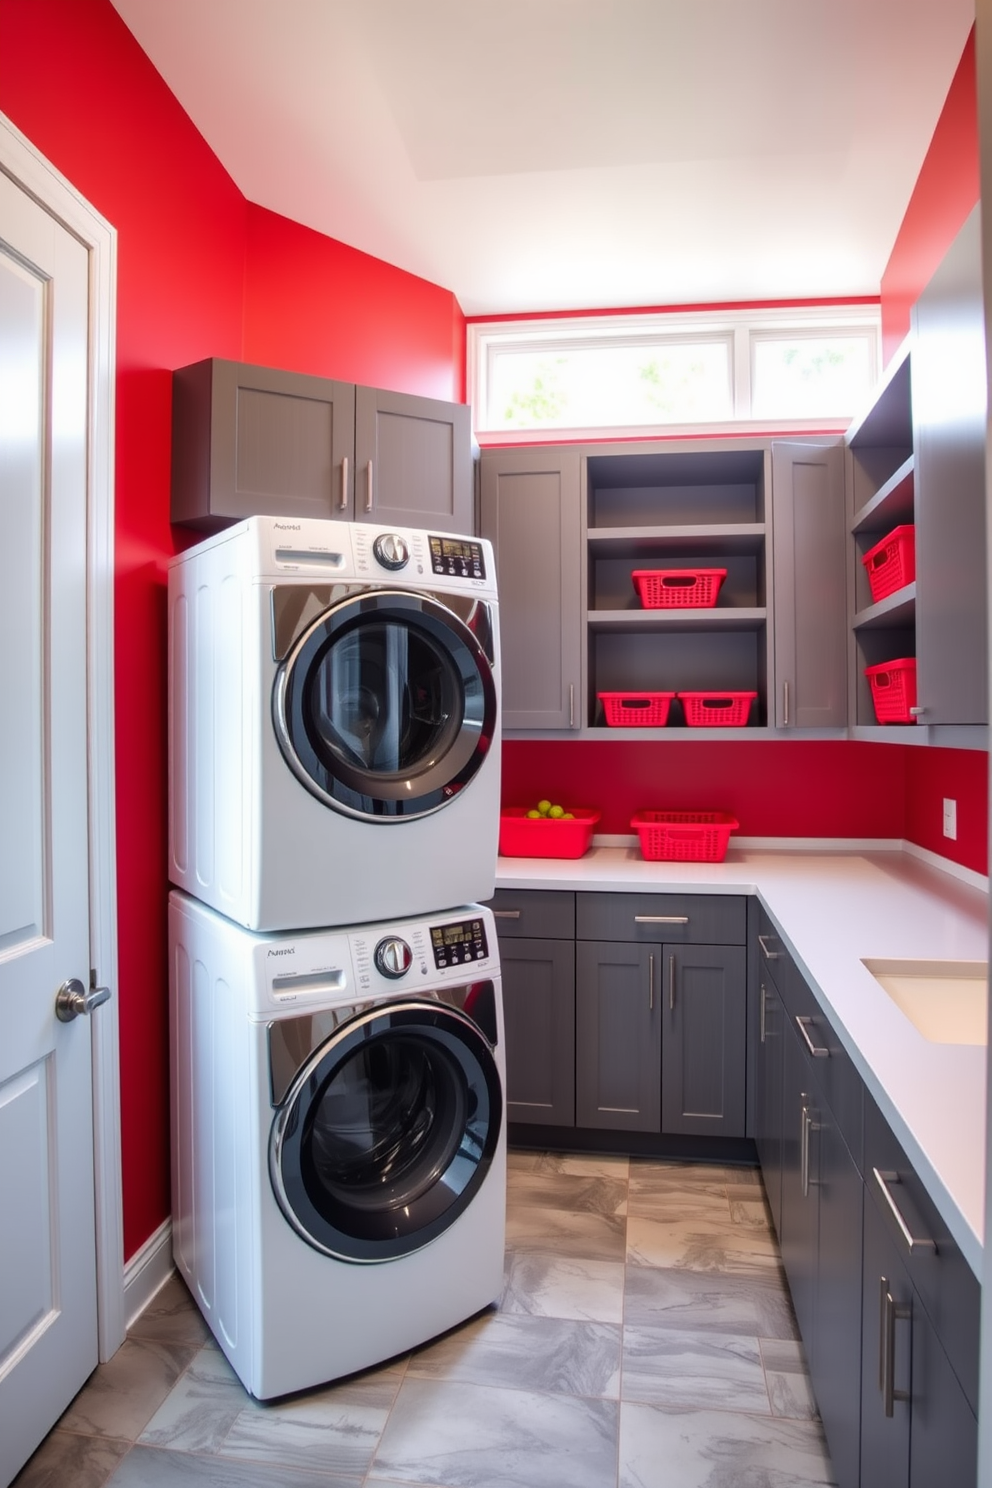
48	1322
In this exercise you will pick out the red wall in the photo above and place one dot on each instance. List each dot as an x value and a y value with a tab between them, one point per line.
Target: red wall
201	273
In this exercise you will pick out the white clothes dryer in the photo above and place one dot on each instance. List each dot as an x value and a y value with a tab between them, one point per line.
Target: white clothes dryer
334	722
338	1137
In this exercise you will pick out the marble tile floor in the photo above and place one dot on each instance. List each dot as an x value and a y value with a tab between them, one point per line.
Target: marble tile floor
644	1339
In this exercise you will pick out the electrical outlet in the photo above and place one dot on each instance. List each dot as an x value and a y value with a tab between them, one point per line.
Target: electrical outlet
950	818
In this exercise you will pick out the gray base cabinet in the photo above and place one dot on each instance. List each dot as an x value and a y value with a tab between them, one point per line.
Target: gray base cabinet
537	956
704	1037
890	1333
250	441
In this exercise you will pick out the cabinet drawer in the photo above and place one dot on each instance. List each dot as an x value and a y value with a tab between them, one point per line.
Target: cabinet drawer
718	919
946	1284
549	913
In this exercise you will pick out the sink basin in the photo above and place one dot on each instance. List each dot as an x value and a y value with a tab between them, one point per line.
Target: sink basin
947	1001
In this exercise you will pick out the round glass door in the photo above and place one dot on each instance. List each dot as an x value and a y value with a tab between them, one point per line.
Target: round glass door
386	707
387	1132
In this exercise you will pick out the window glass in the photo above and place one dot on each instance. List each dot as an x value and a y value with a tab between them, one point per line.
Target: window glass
811	376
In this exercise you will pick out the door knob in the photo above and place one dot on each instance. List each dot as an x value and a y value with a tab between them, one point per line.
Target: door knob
72	998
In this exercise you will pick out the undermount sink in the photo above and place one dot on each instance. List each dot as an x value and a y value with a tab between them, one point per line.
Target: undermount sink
947	1001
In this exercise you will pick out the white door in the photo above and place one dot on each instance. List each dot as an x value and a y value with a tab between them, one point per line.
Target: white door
48	1312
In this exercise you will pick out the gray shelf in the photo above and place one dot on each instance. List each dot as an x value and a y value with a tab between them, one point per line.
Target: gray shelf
644	621
895	610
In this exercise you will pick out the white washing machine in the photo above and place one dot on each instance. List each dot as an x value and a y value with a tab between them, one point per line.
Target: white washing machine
338	1137
334	722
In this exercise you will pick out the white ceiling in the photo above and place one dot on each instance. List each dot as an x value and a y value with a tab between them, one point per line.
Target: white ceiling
568	154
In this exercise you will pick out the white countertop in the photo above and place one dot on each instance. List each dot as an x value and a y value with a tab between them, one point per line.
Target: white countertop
833	909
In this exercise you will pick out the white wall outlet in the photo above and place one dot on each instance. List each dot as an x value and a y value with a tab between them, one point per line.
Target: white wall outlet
950	818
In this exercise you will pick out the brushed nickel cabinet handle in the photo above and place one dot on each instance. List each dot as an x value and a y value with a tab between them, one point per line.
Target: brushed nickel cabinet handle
343	503
763	997
506	914
891	1313
769	955
368	488
785	704
571	704
661	919
818	1051
884	1179
651	983
671	984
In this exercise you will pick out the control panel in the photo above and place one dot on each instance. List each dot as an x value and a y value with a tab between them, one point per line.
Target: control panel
457	557
460	943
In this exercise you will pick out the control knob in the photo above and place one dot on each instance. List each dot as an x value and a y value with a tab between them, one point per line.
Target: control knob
391	551
393	957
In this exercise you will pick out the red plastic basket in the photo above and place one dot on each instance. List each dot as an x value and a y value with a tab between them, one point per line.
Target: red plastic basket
893	690
717	709
684	836
678	588
636	709
891	563
522	836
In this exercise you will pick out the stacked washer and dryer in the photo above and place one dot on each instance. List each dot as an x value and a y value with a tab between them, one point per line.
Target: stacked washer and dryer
338	1128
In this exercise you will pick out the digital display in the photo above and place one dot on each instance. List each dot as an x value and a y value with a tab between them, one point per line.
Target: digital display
458	557
459	943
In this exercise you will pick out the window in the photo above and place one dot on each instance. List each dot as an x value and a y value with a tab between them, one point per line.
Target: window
713	371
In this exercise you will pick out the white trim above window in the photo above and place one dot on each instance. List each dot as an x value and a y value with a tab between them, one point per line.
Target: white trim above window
671	372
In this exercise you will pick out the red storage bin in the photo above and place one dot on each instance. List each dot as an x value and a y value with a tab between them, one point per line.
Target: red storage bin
523	836
678	588
684	836
893	690
636	709
891	563
717	709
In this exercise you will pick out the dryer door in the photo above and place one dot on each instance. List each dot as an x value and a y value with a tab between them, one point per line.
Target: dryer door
386	706
387	1132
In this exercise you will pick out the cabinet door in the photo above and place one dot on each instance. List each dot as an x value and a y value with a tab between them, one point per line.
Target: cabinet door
539	1022
413	461
768	1099
835	1359
800	1149
809	546
704	1042
949	386
886	1330
530	513
943	1432
617	1036
255	441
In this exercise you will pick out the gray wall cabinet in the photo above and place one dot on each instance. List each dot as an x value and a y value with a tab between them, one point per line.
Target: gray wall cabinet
252	441
537	955
877	1318
809	564
529	509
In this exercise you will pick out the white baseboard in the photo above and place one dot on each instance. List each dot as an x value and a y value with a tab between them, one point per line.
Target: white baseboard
147	1270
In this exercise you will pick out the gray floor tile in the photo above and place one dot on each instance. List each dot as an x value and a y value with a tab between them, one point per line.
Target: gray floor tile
171	1317
201	1407
65	1458
472	1436
334	1430
527	1353
562	1287
591	1237
748	1206
121	1396
151	1467
755	1306
662	1448
577	1192
695	1245
671	1203
664	1366
788	1381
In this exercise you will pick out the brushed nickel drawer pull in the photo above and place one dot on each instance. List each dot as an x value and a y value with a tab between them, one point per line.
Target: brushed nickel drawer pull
818	1051
763	996
769	955
661	919
671	984
506	914
891	1312
651	983
913	1242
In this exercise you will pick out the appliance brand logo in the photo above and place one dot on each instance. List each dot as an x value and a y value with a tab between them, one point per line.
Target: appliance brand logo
286	526
289	951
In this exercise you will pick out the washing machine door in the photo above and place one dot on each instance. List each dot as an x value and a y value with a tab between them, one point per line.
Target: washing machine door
388	1131
386	706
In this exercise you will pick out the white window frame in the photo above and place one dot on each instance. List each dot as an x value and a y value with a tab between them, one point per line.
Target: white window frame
741	328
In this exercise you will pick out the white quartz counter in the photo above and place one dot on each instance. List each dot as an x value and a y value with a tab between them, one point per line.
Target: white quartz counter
833	909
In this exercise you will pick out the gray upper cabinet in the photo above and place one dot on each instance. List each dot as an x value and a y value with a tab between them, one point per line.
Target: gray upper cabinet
250	441
949	432
809	562
530	512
